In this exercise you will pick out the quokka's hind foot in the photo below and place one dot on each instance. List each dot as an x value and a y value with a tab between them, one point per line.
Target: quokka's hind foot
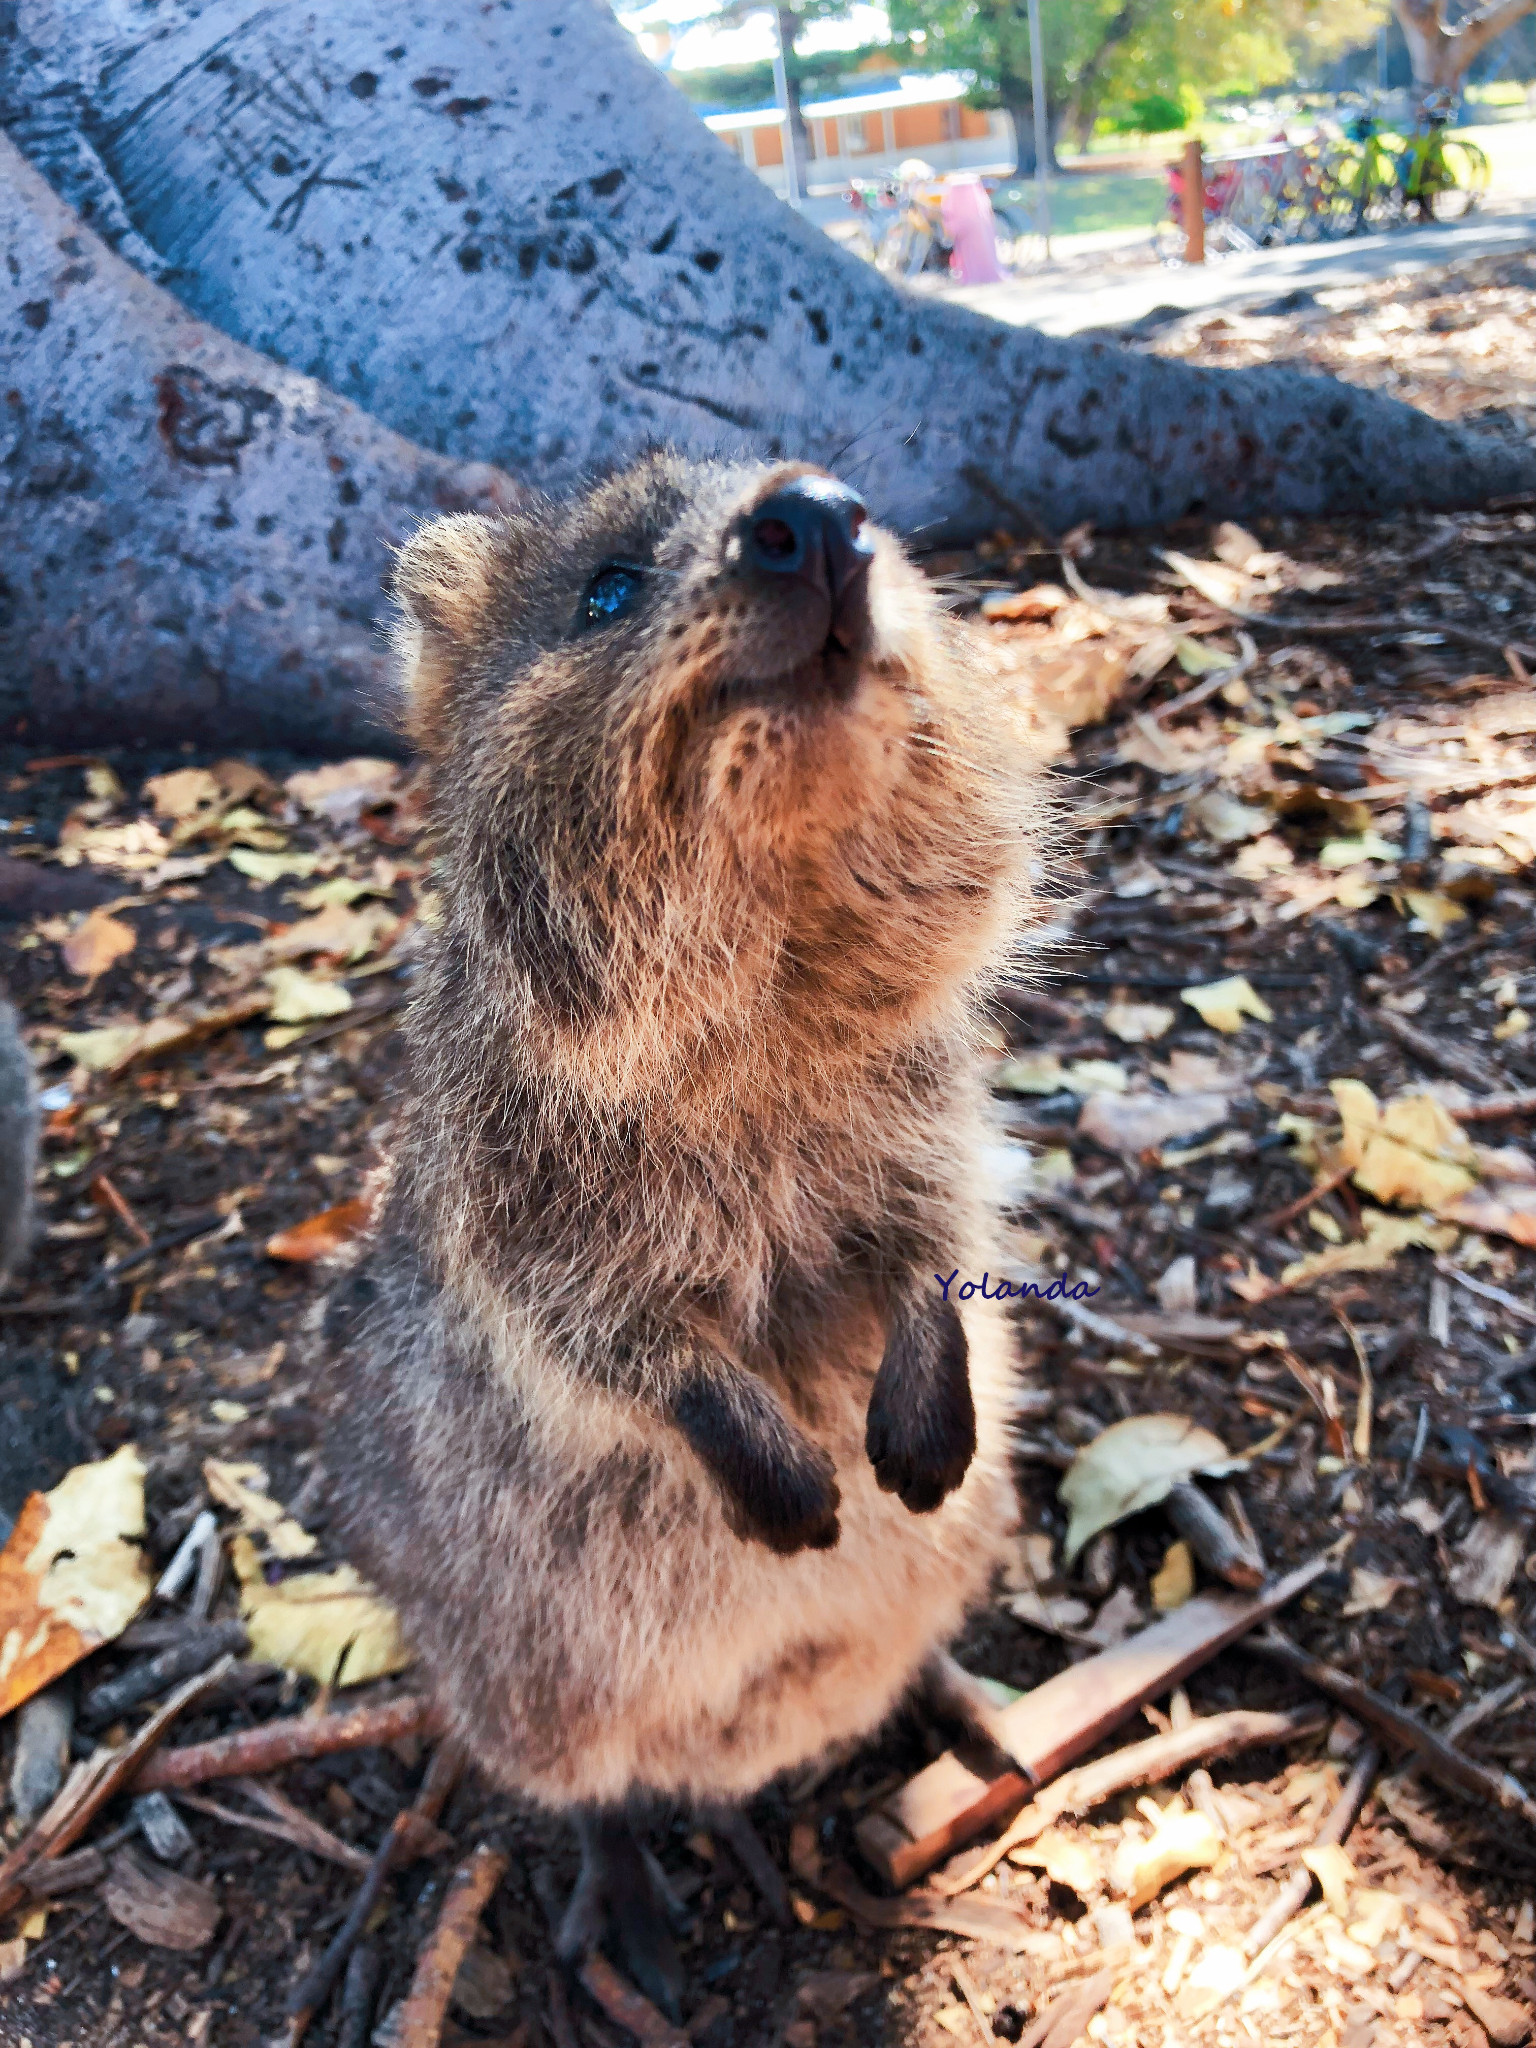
621	1902
957	1698
732	1826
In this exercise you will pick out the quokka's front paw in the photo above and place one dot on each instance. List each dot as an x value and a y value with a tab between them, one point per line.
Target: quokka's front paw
791	1508
920	1431
777	1486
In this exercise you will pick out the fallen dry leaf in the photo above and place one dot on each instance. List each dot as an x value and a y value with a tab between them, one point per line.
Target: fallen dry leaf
1174	1581
1140	1123
1138	1023
1225	1004
111	1047
96	942
184	793
331	1626
72	1575
1064	1860
244	1488
1484	1563
1506	1210
271	867
298	998
342	790
160	1906
322	1236
1181	1841
1335	1873
1131	1466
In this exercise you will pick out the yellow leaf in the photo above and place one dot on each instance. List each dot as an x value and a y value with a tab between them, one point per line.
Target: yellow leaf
1344	853
297	997
1515	1025
1385	1237
1508	1210
1431	911
1196	659
271	867
331	1626
72	1575
183	793
96	942
244	1488
1224	1004
1325	1226
1131	1466
1063	1859
1174	1582
1362	1117
1335	1873
1138	1023
1181	1841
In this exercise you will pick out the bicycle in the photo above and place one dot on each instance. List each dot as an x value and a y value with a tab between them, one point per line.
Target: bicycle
1440	176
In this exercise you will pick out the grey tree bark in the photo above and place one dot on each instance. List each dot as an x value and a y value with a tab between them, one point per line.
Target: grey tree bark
193	540
495	227
1442	51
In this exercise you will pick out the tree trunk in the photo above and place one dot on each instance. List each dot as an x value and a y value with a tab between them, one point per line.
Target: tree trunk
195	540
797	140
1442	56
1019	105
507	236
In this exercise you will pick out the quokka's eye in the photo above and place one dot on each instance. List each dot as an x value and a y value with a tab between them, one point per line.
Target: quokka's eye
613	591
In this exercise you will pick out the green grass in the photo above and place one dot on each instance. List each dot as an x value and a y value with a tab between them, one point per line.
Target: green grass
1090	202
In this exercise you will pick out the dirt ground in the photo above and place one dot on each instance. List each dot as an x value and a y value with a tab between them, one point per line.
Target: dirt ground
1338	820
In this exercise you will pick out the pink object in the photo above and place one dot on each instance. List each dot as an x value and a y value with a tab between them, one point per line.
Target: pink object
967	214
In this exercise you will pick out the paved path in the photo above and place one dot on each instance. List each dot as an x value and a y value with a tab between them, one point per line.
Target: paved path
1077	294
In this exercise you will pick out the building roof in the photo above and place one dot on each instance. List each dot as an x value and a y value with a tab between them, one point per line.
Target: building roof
914	90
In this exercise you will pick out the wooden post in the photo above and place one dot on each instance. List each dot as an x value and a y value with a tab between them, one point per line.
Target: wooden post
1194	202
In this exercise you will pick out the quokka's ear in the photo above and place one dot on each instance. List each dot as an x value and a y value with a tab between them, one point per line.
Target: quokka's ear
444	586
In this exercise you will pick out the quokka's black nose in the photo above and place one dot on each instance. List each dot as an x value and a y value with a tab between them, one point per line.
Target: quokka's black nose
812	529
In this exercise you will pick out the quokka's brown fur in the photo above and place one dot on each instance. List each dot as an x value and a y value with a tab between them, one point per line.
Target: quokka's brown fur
695	1053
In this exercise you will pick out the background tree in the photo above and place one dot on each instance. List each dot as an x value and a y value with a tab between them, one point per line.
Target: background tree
503	234
1122	54
1444	40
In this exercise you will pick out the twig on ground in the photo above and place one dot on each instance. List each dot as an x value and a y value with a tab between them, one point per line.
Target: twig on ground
1066	2021
1142	1763
1451	1059
398	1846
253	1750
90	1785
1438	1758
624	2005
359	1991
562	2032
291	1825
419	2023
152	1675
1211	1536
948	1805
1292	1895
1278	1218
189	1551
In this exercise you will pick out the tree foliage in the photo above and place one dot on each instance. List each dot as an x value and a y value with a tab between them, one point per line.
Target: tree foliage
1109	54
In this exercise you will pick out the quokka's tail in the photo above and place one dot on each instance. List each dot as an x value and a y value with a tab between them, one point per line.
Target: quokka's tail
18	1142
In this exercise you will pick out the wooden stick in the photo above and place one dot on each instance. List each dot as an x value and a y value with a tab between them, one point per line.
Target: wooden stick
1433	1052
1211	1536
397	1847
1522	1104
624	2005
294	1827
91	1784
1292	1895
1438	1758
419	2023
948	1805
141	1681
1066	2020
1143	1763
255	1750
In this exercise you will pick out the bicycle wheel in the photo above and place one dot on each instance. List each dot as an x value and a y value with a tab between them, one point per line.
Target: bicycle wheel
1454	178
905	249
1015	232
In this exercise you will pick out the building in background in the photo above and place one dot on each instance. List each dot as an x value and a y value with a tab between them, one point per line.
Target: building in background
863	134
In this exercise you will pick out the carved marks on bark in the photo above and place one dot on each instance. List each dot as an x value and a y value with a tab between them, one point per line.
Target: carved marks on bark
206	424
